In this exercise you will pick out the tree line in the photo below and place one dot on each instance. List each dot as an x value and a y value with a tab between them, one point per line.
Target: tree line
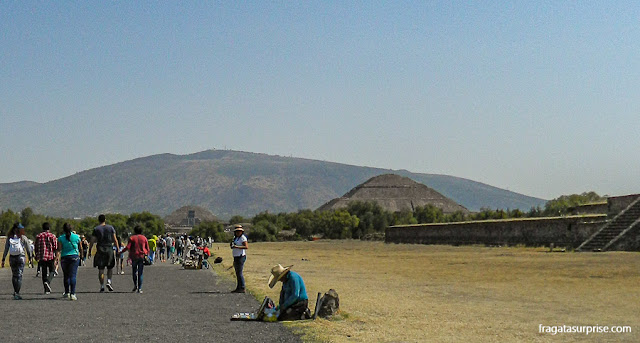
151	224
359	220
368	220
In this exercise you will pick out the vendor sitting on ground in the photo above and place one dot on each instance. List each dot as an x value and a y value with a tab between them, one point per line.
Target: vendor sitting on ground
294	302
205	255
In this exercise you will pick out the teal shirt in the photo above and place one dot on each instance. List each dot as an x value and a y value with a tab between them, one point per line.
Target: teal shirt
293	290
69	247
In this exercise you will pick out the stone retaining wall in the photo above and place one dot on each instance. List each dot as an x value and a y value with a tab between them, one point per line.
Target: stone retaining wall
567	232
617	204
597	208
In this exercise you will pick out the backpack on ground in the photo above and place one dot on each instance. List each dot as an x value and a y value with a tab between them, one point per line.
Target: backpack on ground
15	247
329	304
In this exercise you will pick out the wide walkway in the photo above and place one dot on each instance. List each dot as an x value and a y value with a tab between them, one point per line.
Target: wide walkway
176	306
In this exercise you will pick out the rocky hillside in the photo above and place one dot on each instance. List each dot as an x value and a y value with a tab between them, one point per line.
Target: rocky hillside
226	183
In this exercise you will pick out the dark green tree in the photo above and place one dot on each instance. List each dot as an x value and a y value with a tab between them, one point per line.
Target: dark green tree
237	219
455	217
7	218
151	224
428	214
263	231
561	205
25	216
302	222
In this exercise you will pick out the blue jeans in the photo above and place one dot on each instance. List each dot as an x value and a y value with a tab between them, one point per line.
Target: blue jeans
238	265
17	268
152	256
70	265
137	267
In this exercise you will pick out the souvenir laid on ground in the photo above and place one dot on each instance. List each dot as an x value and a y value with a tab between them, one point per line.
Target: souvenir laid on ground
258	314
267	312
270	315
244	316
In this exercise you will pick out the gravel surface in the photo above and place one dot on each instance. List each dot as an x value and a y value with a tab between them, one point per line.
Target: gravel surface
177	306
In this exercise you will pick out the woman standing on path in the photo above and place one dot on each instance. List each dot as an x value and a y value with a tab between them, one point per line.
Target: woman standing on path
138	248
239	247
70	247
17	245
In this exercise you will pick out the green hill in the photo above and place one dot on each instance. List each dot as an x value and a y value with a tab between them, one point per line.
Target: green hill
227	183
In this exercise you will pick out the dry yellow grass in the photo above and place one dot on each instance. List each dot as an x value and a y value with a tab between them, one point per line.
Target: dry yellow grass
417	293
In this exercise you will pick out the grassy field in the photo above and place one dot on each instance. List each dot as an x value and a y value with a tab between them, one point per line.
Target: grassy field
417	293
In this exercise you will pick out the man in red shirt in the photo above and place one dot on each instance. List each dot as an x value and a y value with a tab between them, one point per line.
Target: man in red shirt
138	248
46	246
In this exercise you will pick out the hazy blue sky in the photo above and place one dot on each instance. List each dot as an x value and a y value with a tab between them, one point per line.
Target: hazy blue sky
537	97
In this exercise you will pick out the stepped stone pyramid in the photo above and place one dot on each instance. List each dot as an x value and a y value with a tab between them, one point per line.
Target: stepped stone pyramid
395	193
621	233
180	217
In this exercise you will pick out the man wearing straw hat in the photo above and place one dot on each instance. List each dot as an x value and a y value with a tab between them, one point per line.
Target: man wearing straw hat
293	304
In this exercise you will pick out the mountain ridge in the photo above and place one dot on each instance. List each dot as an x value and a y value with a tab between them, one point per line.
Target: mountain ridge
227	182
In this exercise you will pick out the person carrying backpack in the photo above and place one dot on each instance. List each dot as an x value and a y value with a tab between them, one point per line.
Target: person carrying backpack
17	245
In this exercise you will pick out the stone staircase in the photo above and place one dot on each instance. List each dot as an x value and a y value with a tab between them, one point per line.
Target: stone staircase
613	230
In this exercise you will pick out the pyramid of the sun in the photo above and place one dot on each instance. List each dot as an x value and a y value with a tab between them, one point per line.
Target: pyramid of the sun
395	193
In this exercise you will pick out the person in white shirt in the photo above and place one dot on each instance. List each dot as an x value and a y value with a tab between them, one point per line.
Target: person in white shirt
187	247
239	246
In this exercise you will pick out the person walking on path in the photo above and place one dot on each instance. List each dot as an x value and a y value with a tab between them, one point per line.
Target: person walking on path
85	249
138	248
162	245
239	247
153	243
17	245
46	247
33	249
179	246
170	247
120	258
70	247
294	302
104	236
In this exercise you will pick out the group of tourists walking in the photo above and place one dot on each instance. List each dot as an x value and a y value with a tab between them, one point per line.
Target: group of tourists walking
48	248
71	251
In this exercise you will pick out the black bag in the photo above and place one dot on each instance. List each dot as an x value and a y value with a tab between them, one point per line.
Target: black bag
146	261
